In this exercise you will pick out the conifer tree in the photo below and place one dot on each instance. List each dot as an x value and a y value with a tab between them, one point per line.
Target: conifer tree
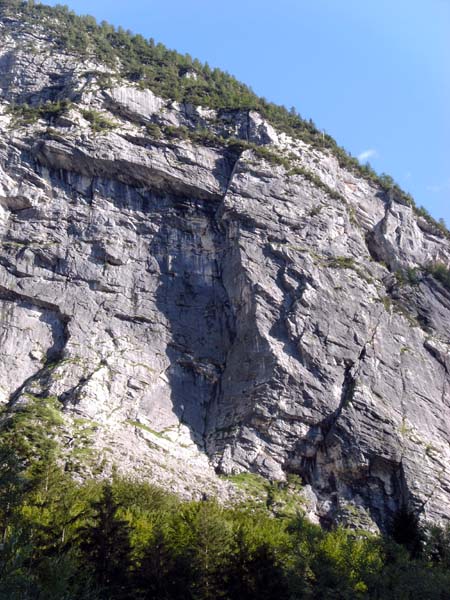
210	550
157	576
106	546
12	487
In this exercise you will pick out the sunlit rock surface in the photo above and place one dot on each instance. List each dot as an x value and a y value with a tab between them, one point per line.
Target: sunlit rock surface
211	313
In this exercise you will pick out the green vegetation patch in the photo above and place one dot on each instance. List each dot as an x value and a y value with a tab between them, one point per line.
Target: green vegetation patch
280	498
31	428
146	428
250	483
341	262
409	276
315	179
98	121
440	272
27	114
120	539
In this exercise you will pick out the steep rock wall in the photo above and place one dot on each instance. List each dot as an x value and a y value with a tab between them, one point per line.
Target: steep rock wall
210	312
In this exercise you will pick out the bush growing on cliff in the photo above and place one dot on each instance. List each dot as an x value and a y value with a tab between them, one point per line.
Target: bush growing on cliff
440	272
27	114
99	123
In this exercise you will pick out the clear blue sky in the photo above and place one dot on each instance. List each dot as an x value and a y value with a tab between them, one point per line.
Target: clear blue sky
375	74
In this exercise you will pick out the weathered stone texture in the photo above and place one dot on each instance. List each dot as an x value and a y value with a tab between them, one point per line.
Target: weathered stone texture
211	313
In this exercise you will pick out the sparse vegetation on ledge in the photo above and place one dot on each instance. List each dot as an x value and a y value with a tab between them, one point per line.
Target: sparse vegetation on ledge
413	276
99	122
271	154
26	114
341	262
440	272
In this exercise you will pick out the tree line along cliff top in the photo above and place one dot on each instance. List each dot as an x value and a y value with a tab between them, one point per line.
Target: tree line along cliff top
179	77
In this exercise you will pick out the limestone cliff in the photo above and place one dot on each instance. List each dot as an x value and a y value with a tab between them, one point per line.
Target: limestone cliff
204	309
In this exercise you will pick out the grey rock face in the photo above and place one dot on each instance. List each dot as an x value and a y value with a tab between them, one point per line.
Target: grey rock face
210	313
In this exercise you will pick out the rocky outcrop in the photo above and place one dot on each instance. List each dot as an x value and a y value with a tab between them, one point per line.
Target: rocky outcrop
209	312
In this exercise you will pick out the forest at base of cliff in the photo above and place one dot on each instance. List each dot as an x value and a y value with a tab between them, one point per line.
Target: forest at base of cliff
120	539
